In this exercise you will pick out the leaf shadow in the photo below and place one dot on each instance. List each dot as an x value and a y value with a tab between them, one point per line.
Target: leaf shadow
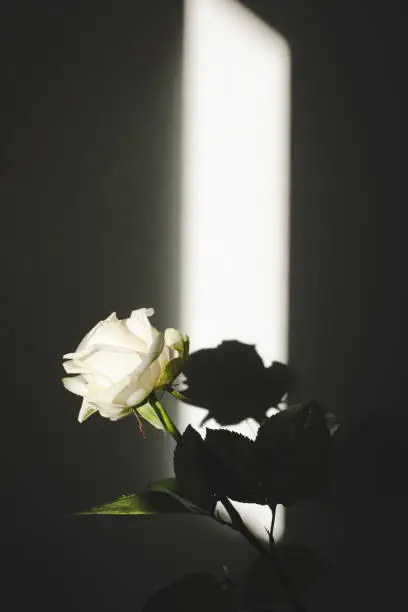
231	382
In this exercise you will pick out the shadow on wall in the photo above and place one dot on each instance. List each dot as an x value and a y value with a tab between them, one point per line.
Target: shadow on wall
77	83
349	134
231	382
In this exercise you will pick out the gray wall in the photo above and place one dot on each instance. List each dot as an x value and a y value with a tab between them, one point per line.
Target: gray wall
90	194
90	189
348	282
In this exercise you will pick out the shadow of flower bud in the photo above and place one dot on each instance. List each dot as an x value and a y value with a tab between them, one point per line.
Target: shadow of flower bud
231	382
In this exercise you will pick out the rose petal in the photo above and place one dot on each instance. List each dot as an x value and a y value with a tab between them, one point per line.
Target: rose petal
86	411
72	367
79	354
113	364
86	339
173	338
75	384
114	412
146	383
121	390
114	332
164	356
139	325
75	367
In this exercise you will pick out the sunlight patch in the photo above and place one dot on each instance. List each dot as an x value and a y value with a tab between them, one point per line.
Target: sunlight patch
235	186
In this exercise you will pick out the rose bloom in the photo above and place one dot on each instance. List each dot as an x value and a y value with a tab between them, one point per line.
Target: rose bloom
120	362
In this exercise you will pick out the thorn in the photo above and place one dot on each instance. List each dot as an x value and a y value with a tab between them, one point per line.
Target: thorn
140	423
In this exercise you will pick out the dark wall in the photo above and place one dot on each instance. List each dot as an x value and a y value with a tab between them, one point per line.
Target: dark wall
90	193
348	284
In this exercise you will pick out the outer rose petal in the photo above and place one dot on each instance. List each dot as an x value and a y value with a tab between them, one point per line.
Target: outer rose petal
116	333
164	356
145	383
75	384
139	325
177	342
174	339
84	353
74	367
86	339
112	363
86	411
114	412
110	332
78	355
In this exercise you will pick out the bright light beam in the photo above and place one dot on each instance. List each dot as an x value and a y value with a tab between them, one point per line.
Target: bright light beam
235	201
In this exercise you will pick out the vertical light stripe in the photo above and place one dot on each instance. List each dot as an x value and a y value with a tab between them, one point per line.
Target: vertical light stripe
235	200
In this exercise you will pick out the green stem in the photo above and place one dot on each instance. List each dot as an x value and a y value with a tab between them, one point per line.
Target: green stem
271	538
168	424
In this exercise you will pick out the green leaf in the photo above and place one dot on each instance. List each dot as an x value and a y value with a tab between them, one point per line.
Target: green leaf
178	395
295	451
171	487
166	485
190	464
195	592
149	502
148	412
302	565
233	467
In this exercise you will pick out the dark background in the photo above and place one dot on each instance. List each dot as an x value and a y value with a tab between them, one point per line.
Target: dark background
90	133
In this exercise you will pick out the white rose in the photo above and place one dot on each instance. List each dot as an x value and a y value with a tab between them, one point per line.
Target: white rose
120	362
